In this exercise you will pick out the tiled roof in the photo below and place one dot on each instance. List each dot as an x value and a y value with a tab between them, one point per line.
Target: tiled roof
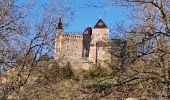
87	31
100	24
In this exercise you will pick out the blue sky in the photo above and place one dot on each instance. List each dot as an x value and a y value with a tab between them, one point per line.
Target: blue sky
85	15
89	16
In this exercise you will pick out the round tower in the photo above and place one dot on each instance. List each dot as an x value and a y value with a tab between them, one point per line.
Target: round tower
58	39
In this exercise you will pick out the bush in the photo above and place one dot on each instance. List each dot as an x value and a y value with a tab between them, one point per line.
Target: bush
66	72
98	85
96	72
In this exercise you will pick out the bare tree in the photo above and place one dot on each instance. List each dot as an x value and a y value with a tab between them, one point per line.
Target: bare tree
13	27
146	74
27	65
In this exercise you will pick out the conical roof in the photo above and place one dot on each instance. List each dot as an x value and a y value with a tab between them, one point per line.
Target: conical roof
100	24
88	31
60	26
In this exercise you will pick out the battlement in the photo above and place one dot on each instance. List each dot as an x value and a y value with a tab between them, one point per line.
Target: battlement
72	36
75	47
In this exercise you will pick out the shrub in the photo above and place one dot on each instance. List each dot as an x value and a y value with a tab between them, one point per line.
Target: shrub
96	72
66	71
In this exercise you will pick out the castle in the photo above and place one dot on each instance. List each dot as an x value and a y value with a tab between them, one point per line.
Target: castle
83	50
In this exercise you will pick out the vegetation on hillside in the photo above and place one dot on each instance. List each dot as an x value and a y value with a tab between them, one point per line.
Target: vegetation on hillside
140	66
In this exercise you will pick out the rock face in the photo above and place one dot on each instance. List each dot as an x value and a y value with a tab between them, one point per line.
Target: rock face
83	50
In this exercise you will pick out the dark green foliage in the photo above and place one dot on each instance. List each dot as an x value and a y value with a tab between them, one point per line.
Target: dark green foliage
99	85
66	72
95	72
52	73
99	80
119	47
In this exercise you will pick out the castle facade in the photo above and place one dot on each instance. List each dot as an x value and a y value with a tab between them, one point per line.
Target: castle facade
83	50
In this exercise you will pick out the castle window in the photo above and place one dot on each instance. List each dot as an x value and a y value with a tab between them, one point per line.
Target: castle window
75	53
99	34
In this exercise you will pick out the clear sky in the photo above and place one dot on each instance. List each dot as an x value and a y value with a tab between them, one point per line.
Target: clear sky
89	16
85	15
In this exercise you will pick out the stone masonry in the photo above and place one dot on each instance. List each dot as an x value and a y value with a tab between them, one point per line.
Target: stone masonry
83	50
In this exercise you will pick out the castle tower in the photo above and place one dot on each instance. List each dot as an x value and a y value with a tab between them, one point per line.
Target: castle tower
58	40
86	42
100	34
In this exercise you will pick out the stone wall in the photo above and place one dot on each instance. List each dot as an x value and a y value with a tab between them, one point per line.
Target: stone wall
84	50
71	47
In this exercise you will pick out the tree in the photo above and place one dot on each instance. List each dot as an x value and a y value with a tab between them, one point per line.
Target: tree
12	28
146	74
27	53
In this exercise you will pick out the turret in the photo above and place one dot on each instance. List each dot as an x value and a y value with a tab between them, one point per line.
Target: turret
86	42
58	40
100	34
60	26
100	31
